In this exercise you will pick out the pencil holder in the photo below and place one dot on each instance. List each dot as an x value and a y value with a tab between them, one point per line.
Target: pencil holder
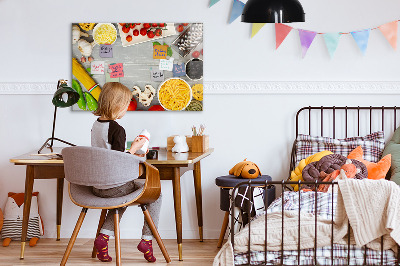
200	143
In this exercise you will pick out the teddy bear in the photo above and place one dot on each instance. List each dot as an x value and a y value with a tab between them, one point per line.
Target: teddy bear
180	144
245	169
13	215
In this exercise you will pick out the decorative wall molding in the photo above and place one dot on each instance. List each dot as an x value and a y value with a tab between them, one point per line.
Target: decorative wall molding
28	88
248	87
303	87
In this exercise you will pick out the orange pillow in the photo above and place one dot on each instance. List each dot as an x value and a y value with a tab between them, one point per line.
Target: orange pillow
375	170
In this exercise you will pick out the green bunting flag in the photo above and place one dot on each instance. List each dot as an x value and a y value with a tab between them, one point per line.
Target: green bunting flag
213	2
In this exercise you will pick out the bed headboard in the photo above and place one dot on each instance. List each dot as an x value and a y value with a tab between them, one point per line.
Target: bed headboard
344	121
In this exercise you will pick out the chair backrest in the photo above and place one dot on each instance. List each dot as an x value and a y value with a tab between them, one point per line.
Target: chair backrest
91	166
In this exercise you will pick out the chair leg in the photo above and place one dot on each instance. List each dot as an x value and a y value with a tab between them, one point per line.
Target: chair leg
223	229
117	239
154	230
101	222
73	237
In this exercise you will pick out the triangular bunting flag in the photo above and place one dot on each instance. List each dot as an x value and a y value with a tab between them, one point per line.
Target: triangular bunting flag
256	28
213	2
389	30
361	37
332	41
306	39
281	31
237	8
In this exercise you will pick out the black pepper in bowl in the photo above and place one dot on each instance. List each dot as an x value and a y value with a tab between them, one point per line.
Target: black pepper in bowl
194	69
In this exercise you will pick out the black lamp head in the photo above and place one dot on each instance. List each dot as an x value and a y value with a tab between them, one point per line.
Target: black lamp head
64	95
273	11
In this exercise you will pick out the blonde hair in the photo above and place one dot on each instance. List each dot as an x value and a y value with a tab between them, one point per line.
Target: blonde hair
113	98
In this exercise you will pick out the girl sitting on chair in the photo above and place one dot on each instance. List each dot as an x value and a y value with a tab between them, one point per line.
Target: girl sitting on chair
106	133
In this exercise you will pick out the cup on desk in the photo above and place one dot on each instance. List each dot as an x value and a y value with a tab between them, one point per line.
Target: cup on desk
152	155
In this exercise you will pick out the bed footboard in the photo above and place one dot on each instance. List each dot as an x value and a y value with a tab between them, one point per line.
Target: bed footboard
312	259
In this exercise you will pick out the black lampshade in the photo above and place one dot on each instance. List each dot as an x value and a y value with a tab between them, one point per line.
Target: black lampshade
273	11
71	99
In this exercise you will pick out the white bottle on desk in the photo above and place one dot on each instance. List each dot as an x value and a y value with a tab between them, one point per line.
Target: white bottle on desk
144	134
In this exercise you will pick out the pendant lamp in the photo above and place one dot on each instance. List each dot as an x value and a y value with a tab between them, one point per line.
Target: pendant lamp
273	11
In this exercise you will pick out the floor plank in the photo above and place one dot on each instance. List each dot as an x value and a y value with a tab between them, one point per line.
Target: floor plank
49	252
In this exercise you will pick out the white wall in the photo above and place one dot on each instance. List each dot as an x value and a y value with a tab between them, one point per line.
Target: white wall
35	47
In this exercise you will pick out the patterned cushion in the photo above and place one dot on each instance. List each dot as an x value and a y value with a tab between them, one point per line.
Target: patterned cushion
372	144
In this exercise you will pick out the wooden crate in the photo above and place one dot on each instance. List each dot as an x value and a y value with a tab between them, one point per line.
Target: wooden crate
200	143
171	143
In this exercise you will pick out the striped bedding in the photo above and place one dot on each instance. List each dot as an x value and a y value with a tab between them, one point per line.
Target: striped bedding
323	207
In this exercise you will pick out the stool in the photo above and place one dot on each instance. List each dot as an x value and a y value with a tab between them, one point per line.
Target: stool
226	183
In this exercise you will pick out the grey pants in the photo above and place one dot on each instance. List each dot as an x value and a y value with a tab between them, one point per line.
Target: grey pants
154	208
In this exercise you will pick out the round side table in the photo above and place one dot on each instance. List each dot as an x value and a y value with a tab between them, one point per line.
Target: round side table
226	183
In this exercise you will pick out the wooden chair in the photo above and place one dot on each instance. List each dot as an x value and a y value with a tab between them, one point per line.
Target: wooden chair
85	167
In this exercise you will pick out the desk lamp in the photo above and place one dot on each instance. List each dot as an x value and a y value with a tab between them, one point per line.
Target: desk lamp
273	11
63	97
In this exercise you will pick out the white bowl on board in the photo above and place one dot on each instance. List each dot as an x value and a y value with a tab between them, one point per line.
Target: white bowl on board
190	96
98	26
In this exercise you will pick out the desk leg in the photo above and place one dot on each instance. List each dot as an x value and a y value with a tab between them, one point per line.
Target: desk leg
199	204
176	182
27	206
60	190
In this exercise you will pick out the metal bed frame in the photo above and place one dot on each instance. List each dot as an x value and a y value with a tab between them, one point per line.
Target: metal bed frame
283	184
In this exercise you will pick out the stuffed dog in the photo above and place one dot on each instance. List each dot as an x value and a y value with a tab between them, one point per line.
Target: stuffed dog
245	169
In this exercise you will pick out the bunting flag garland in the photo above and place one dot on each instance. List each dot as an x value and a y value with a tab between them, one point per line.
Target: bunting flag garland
213	2
281	31
332	41
256	28
237	8
361	37
306	39
389	30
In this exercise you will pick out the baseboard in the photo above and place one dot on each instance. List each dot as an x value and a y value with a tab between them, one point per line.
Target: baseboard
247	87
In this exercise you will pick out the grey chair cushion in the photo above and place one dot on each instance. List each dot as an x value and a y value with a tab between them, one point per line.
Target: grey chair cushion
83	196
99	167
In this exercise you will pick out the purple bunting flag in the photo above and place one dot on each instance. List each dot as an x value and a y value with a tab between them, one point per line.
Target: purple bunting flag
306	39
237	8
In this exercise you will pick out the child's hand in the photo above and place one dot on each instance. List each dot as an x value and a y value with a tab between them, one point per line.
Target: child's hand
137	144
142	155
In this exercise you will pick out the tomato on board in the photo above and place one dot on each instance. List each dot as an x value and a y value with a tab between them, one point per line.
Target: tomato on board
156	108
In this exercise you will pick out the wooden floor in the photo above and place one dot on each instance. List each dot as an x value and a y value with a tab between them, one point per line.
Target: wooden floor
50	252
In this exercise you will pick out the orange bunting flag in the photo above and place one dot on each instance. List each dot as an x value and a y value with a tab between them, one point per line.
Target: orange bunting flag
389	30
281	31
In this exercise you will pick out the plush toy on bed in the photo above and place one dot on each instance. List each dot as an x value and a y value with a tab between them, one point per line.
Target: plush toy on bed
317	171
296	174
13	215
245	169
348	170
